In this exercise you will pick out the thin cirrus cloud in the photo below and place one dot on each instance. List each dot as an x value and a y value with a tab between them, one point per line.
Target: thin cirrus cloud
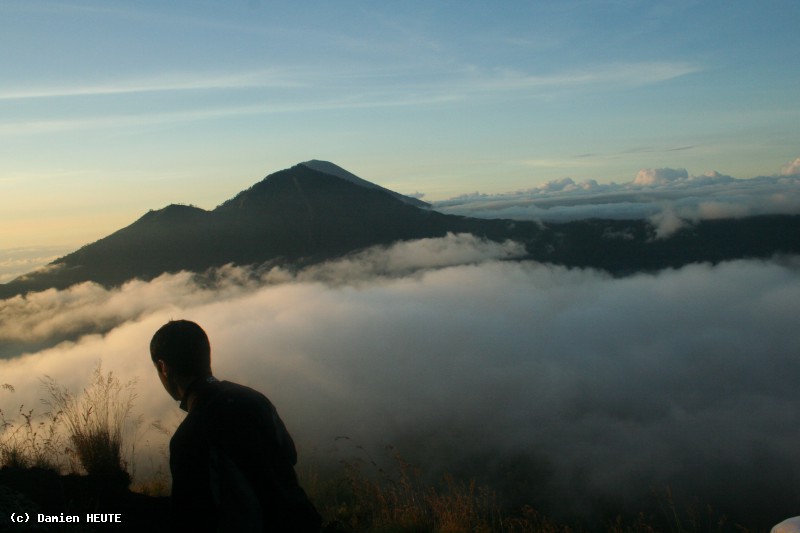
188	82
560	388
344	90
373	85
46	126
622	74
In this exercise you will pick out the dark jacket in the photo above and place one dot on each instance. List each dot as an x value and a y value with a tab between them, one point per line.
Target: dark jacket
232	464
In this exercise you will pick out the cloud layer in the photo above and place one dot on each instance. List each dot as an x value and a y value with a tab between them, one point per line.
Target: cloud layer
670	198
564	388
16	261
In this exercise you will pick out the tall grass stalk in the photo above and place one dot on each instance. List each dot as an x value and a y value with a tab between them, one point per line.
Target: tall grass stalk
96	421
26	442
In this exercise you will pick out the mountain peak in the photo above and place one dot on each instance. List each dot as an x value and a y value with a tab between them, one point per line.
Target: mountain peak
326	167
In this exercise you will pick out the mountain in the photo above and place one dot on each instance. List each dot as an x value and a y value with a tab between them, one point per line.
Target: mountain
316	211
295	215
327	167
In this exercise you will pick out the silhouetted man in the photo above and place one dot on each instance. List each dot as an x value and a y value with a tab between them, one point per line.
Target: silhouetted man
232	460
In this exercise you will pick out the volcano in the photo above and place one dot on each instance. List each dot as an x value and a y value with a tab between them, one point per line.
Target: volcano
316	211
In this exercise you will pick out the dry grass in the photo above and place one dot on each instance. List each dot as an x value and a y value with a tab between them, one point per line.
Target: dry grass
95	421
371	500
366	498
158	483
26	442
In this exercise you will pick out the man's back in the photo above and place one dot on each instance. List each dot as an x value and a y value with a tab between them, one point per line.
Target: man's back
232	463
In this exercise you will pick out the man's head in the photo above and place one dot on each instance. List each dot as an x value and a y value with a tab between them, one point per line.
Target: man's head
181	351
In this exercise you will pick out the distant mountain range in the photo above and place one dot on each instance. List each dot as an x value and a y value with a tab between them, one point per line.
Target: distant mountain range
316	211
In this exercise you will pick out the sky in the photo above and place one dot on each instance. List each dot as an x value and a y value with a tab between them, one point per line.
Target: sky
109	108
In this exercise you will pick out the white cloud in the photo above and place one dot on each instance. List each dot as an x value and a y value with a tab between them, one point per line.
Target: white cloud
665	196
666	223
407	258
660	176
17	261
792	168
592	387
53	314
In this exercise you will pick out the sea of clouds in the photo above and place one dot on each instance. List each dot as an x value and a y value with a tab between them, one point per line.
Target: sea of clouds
17	261
669	198
564	388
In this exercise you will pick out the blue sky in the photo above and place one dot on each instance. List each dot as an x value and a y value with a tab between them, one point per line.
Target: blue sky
108	109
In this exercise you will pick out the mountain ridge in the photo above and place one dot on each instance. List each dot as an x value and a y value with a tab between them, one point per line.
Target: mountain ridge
294	215
301	215
327	167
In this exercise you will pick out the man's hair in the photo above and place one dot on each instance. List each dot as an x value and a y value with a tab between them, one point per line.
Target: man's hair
184	346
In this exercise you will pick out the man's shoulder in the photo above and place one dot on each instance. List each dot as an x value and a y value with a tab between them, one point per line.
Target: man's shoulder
226	398
236	391
234	412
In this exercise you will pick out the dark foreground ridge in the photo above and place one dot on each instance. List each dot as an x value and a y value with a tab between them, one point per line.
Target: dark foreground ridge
53	502
317	211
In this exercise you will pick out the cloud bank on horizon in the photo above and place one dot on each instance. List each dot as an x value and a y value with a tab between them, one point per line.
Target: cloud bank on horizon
561	387
670	198
17	261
